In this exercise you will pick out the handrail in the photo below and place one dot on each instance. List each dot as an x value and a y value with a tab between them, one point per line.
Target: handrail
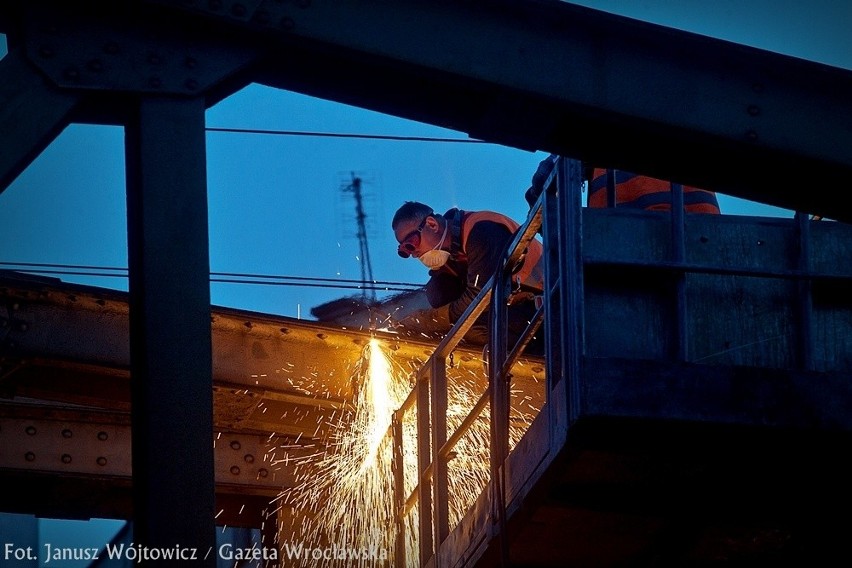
434	526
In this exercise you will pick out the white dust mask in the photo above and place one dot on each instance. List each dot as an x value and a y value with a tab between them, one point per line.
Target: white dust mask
436	258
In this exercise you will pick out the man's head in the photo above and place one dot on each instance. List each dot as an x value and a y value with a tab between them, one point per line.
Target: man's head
418	229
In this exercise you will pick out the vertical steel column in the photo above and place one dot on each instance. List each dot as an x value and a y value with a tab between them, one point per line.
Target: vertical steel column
805	297
569	180
681	346
440	482
170	351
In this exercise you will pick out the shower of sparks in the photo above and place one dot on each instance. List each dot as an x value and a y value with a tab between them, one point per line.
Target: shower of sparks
344	495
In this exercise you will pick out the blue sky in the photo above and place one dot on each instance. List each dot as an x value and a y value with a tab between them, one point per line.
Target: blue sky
275	202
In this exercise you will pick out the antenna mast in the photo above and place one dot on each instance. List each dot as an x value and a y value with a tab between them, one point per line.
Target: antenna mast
368	293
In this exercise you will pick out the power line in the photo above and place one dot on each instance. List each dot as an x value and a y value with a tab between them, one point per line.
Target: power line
347	135
220	277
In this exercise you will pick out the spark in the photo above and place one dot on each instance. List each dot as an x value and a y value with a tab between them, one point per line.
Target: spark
346	493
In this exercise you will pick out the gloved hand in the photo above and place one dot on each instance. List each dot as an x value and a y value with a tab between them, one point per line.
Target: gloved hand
545	168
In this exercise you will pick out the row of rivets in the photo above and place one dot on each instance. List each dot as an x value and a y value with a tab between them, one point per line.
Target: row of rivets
64	458
66	433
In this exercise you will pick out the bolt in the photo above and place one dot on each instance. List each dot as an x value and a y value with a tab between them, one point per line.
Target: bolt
66	458
235	470
31	430
753	110
102	436
102	461
29	456
235	445
67	433
249	458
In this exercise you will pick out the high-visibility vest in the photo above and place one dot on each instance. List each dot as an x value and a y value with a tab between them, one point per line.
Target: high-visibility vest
531	273
643	192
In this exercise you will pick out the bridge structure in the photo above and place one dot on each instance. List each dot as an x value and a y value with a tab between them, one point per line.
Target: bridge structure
666	434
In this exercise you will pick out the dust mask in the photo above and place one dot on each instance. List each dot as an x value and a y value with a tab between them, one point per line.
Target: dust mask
436	258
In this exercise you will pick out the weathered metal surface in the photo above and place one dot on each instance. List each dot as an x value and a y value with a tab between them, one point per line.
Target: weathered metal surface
535	75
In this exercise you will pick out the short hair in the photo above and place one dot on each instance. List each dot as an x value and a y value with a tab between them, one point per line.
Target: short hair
411	210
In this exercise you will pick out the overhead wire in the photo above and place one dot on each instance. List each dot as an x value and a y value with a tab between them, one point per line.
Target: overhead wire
218	277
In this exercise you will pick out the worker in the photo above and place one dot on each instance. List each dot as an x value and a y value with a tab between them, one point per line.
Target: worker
631	191
462	250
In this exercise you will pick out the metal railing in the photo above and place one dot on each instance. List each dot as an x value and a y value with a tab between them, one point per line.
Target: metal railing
429	397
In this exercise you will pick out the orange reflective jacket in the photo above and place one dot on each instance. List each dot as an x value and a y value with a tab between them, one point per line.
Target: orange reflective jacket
643	192
531	273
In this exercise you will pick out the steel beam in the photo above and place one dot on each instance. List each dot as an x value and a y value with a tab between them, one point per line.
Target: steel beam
553	76
170	338
32	113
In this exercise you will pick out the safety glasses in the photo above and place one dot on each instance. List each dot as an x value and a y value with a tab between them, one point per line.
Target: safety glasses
411	241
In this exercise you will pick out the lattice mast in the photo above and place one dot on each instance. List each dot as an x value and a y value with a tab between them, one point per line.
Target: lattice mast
368	293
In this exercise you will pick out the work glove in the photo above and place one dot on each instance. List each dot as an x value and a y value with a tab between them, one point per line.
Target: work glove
545	168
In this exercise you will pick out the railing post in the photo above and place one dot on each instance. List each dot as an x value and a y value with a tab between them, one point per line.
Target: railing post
681	346
398	465
439	437
499	385
569	180
424	458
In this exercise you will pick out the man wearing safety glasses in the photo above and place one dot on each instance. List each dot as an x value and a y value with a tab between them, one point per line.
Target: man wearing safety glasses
462	250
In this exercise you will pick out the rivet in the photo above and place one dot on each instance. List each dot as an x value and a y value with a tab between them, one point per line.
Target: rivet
29	456
155	82
286	23
751	134
757	87
262	472
759	242
21	326
248	324
753	110
249	458
102	436
190	62
31	430
67	433
111	48
284	330
71	74
238	10
322	335
215	4
154	59
191	84
66	458
236	444
102	461
96	66
235	470
45	51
